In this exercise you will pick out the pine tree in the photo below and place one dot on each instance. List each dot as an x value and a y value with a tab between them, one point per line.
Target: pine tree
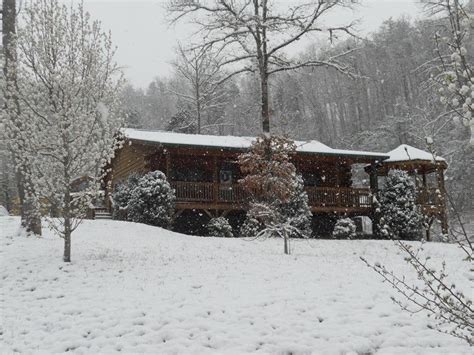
122	195
297	210
401	218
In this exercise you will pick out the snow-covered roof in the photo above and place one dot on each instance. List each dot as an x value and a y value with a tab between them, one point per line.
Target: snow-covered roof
406	152
234	142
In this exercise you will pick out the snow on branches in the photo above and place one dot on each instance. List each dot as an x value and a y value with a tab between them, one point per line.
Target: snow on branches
66	126
454	72
268	168
401	218
280	204
152	200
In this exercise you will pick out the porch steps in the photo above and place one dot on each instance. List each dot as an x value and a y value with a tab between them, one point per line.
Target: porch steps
102	213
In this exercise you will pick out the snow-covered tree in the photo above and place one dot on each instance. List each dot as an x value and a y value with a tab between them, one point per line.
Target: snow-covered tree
67	93
297	210
219	227
152	200
29	209
279	205
122	195
344	229
401	217
454	72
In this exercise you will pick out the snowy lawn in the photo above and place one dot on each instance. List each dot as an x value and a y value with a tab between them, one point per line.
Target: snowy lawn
135	288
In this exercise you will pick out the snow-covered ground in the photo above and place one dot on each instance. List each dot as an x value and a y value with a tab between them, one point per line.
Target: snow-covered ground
135	288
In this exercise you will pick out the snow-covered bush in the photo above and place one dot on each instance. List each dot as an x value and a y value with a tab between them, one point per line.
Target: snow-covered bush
152	200
121	197
400	217
3	211
344	229
251	226
219	227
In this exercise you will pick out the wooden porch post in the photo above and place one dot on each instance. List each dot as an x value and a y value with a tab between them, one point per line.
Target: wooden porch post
374	184
374	188
338	184
215	179
168	164
443	204
423	191
424	179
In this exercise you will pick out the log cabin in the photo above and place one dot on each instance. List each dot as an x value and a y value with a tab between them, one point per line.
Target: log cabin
204	173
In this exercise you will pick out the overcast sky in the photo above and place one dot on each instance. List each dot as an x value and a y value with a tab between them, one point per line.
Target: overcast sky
146	42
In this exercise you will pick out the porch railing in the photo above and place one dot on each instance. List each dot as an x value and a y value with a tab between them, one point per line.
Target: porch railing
339	197
323	197
209	192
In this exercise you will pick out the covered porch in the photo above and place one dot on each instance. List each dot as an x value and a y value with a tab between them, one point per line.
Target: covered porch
223	196
427	171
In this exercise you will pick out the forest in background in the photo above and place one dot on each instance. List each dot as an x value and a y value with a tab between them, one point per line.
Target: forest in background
390	102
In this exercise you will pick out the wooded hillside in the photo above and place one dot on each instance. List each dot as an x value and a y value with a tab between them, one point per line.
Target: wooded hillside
391	102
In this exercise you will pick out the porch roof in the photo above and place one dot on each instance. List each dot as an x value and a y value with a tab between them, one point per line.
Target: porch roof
237	143
406	152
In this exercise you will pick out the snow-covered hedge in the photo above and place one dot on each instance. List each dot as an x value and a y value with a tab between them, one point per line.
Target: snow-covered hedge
344	229
152	200
219	227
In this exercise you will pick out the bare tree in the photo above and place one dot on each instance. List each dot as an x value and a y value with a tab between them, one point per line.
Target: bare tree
30	218
253	34
201	71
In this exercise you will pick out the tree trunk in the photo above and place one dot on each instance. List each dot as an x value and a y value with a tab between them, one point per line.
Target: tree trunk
198	118
67	227
263	64
265	103
286	248
67	245
198	101
30	218
30	214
